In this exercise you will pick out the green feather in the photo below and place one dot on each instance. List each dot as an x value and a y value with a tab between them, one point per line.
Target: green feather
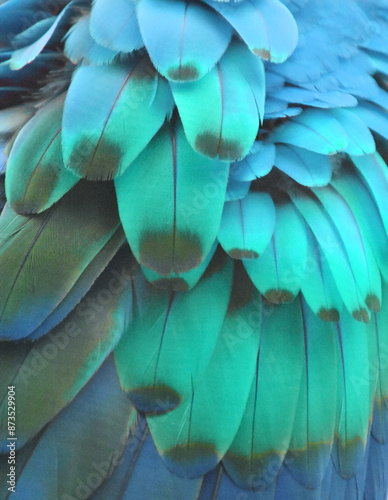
50	372
41	257
36	177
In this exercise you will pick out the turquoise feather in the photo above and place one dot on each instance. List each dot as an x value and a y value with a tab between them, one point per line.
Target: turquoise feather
36	175
334	251
105	125
261	443
247	226
279	271
172	338
202	442
305	167
361	141
222	111
318	286
368	217
361	258
176	232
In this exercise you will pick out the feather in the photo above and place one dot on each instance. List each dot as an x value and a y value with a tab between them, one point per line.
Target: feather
262	441
181	281
374	171
177	231
170	32
220	113
318	285
36	176
49	373
332	247
279	271
315	130
171	340
202	441
80	46
32	247
141	473
356	387
316	413
361	141
258	163
78	450
305	167
105	124
25	55
247	226
266	26
113	24
367	214
362	261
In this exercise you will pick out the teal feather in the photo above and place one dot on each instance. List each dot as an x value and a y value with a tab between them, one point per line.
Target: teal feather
221	112
335	253
318	286
202	442
172	338
105	125
177	231
80	46
279	271
238	234
361	258
261	443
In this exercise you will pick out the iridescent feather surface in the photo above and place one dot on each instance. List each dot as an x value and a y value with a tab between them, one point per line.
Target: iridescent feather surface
194	249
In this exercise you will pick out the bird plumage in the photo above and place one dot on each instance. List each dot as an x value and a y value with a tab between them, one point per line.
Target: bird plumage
193	249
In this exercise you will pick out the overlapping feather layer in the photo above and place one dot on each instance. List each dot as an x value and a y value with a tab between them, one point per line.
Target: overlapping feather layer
194	250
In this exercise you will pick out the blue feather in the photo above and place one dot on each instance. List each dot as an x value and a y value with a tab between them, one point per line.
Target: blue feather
170	32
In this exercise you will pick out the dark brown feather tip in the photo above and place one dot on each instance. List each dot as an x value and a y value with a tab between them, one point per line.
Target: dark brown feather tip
154	400
210	145
328	314
238	254
279	296
361	315
183	73
172	284
373	303
191	461
102	165
157	252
